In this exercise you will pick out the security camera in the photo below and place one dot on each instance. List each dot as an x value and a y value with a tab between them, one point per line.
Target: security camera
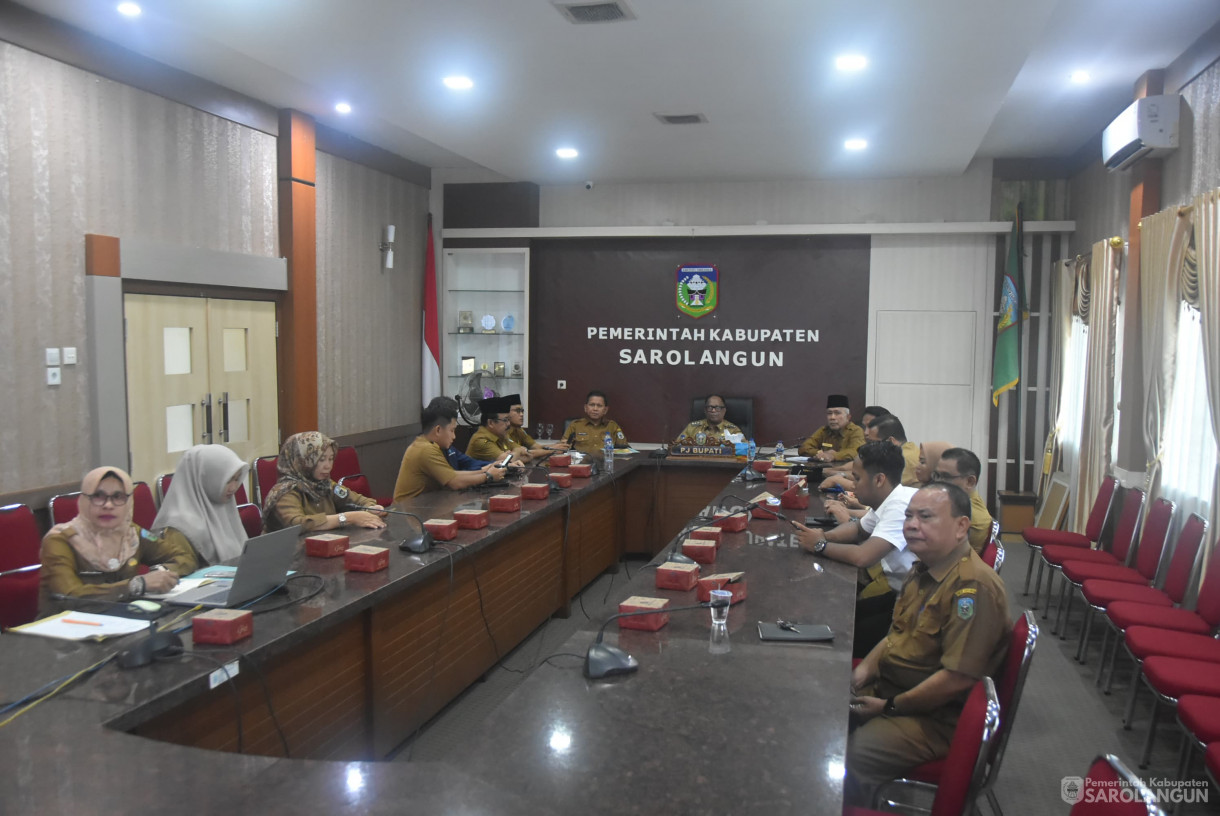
588	185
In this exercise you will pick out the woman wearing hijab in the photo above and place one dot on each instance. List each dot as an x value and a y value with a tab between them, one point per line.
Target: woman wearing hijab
305	495
199	511
98	554
929	458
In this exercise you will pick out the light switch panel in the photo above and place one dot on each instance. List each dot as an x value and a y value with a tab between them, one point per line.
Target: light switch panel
52	356
69	355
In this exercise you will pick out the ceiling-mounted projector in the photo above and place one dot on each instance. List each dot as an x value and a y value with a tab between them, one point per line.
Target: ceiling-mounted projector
1148	127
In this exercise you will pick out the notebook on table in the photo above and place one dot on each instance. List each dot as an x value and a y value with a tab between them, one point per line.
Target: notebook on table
263	567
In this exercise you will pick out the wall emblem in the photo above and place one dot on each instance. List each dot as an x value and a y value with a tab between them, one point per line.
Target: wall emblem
697	291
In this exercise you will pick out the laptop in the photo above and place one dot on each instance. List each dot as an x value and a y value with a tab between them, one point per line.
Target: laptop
263	567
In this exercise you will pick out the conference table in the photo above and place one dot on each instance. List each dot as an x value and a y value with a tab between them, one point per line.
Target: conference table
354	671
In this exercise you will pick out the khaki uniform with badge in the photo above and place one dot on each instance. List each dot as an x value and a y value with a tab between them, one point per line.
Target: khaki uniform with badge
518	436
702	432
486	445
589	438
910	453
957	621
424	467
980	523
844	443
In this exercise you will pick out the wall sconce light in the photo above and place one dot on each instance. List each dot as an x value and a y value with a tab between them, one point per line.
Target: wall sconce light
387	248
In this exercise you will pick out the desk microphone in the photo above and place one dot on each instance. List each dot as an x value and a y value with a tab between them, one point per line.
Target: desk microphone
604	661
546	477
677	557
751	505
418	544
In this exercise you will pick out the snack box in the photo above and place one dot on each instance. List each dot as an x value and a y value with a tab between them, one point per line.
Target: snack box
708	533
472	519
535	490
733	523
778	474
682	577
762	465
560	460
640	603
364	558
734	582
504	503
442	529
700	549
222	626
763	499
581	471
326	545
795	498
562	479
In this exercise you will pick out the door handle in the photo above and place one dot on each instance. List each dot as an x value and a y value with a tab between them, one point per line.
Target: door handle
206	404
222	403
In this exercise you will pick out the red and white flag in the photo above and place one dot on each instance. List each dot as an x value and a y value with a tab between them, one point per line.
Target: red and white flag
430	370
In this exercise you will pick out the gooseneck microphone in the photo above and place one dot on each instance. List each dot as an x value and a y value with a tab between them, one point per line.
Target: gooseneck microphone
418	544
603	660
751	505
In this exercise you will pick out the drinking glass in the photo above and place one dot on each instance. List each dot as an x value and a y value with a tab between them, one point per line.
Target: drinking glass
720	614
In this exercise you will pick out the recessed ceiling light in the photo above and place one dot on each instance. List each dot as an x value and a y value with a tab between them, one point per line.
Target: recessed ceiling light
855	144
1080	77
567	153
458	83
851	62
343	107
129	9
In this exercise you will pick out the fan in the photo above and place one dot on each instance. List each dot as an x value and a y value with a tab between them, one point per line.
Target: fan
477	386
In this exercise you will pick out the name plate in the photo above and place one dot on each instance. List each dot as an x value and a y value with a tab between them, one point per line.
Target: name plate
702	450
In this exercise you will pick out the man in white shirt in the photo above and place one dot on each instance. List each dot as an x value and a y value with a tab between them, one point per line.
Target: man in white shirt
874	543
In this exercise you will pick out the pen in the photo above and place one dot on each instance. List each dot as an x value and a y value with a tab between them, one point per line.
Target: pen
81	622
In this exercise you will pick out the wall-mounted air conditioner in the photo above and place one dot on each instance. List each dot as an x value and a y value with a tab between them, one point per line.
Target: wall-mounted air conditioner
1149	127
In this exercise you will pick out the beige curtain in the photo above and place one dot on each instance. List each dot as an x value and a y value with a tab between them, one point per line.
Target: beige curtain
1063	278
1097	304
1207	245
1163	241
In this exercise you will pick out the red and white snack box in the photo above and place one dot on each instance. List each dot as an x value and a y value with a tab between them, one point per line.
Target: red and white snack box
732	522
708	533
762	465
472	519
364	558
794	498
535	490
562	479
640	603
763	500
581	471
504	503
778	474
700	549
326	545
734	582
682	577
222	626
442	529
560	460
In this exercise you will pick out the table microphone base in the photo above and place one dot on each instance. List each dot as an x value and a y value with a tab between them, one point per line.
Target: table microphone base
605	661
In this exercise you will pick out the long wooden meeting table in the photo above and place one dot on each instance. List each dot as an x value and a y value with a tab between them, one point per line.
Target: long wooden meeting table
356	669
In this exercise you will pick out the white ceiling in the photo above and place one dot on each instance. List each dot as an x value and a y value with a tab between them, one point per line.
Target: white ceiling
948	80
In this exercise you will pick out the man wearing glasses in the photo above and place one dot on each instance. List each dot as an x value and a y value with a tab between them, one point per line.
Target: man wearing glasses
490	442
519	438
962	467
712	429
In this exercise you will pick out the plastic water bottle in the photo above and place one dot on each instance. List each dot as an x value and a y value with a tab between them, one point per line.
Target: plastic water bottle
779	451
751	451
608	452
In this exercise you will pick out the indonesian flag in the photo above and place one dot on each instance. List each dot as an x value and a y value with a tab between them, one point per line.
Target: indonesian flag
430	370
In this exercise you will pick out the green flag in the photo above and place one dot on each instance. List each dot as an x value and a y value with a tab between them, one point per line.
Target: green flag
1006	370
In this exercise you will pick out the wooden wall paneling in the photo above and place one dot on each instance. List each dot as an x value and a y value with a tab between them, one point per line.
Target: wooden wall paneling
594	538
641	495
687	492
298	313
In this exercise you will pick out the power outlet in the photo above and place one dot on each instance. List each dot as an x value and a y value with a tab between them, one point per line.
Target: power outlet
562	385
53	377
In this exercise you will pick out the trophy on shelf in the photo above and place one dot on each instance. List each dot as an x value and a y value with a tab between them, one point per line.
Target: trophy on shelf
498	369
516	369
488	322
467	365
465	323
508	323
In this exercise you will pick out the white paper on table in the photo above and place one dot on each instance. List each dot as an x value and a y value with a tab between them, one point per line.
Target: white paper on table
184	585
91	626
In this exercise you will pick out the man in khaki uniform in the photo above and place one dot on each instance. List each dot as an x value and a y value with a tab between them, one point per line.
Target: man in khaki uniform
961	467
837	440
950	629
518	437
712	428
587	435
888	428
425	466
490	442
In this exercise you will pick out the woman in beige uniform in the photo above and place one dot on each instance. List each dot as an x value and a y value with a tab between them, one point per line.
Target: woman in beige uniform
305	495
198	510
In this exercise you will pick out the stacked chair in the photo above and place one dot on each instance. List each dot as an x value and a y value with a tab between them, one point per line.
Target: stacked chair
1039	537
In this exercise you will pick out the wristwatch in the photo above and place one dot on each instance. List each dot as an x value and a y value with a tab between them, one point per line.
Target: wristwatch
342	520
486	476
889	709
821	545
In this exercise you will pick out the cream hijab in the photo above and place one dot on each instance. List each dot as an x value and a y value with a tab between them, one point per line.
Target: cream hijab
194	505
103	549
931	453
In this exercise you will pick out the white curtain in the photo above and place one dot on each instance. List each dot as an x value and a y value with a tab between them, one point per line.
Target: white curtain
1098	305
1063	277
1207	244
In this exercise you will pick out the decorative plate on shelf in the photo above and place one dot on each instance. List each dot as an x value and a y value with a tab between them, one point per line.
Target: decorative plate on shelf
488	323
508	323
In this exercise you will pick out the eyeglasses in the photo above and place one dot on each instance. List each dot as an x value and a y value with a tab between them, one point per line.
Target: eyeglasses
100	499
941	476
518	410
498	419
715	408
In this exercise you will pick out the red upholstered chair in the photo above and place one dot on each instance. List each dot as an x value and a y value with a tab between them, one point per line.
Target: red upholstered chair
1118	553
993	555
962	778
251	519
1171	678
347	463
1199	718
1147	561
1010	683
265	477
359	483
63	507
144	513
163	483
1211	758
20	559
1108	773
1129	604
1039	537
